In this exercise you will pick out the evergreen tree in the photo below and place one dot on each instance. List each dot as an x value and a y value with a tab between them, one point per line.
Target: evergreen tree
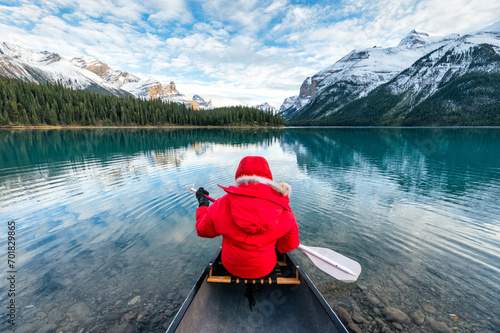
33	104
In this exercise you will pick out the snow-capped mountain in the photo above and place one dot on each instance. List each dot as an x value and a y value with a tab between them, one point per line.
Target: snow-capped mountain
19	63
87	73
204	105
115	78
266	107
413	71
288	103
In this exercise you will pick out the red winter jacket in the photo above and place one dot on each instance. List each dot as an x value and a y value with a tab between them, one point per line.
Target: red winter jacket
253	218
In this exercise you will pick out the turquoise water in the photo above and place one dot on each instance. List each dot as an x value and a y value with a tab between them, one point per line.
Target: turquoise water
104	226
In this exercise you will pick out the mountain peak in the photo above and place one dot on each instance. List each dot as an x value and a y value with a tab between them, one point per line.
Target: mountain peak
171	88
18	52
85	61
12	50
415	38
266	107
288	103
204	105
91	64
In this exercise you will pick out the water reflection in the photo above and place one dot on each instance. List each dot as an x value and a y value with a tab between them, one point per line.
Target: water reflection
419	159
416	206
23	148
103	216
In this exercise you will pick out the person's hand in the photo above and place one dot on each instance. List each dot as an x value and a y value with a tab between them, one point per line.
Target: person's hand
201	195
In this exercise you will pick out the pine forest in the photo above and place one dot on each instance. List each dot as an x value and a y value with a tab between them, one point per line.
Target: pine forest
30	104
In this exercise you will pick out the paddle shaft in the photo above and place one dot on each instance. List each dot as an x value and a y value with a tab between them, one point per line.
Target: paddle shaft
191	189
209	198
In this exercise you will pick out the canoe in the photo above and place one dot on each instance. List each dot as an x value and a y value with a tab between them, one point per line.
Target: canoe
284	301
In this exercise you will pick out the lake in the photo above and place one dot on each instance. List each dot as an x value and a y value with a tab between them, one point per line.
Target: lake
104	227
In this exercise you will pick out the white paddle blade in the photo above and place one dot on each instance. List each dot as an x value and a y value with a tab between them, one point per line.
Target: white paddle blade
191	189
333	263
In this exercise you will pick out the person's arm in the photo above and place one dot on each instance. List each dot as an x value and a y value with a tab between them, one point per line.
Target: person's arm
204	223
290	240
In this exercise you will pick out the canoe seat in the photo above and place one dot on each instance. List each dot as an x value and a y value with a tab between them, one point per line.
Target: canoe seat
283	273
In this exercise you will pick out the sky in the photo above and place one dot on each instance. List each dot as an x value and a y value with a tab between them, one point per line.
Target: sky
233	52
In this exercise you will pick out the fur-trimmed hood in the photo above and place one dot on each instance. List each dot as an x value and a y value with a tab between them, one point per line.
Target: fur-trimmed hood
282	188
257	203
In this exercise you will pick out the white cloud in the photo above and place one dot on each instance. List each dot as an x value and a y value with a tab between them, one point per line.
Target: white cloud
247	51
162	12
23	14
466	16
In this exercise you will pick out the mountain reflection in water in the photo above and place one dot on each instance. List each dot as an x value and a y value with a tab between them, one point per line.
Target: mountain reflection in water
105	227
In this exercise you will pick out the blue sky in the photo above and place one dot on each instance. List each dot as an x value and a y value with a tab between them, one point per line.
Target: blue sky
242	52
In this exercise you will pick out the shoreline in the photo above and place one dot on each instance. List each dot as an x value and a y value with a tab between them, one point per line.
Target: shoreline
77	127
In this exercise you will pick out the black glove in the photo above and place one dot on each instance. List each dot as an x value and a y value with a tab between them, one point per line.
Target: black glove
201	195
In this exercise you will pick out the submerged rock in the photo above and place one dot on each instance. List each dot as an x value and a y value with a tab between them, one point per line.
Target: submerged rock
78	312
396	315
96	329
157	319
379	321
357	318
344	316
113	316
362	287
354	328
437	326
55	316
397	326
122	328
143	317
417	317
429	309
126	317
374	300
89	322
134	300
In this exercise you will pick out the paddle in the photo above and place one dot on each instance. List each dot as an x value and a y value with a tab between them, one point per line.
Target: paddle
191	189
332	263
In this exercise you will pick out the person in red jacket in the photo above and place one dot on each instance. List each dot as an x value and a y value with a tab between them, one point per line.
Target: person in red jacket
254	218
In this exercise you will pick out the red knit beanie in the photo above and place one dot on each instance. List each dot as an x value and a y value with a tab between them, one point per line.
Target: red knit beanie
254	166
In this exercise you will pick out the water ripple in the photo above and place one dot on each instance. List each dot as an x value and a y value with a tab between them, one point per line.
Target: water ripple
423	224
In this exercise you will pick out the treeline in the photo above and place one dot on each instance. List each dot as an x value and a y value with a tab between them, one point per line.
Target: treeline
23	103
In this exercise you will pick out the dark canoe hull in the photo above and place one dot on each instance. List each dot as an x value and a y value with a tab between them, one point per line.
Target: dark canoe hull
221	307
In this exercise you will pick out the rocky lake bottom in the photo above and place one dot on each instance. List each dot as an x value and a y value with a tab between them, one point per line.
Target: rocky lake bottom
128	296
